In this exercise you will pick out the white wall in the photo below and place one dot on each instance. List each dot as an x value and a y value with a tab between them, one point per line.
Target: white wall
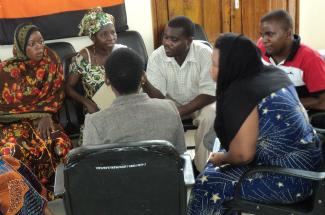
312	19
139	18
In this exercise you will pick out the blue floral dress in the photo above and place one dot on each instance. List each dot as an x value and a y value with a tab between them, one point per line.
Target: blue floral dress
286	139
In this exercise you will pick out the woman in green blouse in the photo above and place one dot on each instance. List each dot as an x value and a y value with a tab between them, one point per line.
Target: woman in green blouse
88	64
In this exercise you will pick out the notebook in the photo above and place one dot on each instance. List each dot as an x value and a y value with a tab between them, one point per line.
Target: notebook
104	97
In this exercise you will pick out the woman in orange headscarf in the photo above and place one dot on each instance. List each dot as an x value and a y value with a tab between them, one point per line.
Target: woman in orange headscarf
31	91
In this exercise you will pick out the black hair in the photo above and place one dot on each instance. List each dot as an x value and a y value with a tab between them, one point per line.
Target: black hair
239	58
243	81
183	22
124	70
281	16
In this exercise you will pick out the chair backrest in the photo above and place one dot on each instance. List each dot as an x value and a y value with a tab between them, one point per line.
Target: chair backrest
318	122
133	40
61	48
125	178
199	33
64	50
66	114
318	197
72	116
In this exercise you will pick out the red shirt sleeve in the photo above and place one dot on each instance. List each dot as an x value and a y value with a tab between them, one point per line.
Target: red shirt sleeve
314	73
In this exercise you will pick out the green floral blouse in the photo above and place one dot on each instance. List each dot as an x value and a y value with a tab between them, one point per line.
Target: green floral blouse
92	75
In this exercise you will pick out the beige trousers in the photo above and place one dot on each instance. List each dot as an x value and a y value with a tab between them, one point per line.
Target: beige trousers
204	135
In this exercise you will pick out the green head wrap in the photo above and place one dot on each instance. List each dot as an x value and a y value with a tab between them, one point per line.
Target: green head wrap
93	21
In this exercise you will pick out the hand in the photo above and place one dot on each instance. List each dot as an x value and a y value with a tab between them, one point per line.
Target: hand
45	126
217	158
47	211
91	107
144	79
181	110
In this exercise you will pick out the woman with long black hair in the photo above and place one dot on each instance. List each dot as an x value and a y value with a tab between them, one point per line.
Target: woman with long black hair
260	121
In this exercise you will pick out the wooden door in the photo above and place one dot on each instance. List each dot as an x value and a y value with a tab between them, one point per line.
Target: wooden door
218	16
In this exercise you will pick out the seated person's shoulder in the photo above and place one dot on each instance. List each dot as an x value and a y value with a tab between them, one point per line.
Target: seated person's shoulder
307	51
202	45
202	50
78	62
83	53
165	104
158	53
94	117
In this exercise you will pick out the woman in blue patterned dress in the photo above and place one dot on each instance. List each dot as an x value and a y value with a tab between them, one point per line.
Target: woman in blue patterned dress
260	121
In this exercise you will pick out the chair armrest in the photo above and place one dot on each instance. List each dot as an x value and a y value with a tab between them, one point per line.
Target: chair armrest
310	175
59	181
188	125
188	170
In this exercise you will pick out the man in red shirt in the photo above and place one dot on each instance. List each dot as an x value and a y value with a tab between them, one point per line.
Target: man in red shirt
282	48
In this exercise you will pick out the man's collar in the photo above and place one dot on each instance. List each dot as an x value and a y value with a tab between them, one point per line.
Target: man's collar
294	48
191	54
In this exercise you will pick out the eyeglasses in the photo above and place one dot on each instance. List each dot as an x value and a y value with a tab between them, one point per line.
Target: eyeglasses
33	44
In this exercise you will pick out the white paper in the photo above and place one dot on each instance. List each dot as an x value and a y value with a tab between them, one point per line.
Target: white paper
216	145
104	97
